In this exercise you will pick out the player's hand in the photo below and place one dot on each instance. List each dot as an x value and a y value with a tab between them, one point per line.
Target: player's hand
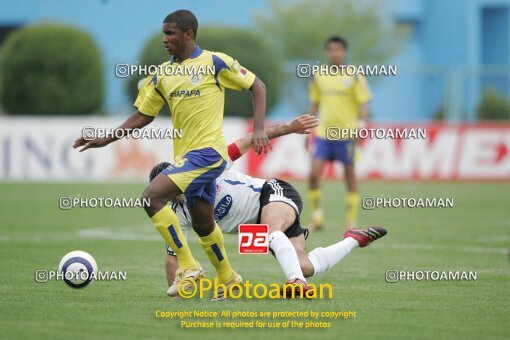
303	124
87	144
260	142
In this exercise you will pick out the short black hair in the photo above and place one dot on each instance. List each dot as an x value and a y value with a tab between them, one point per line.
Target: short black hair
336	39
157	169
184	19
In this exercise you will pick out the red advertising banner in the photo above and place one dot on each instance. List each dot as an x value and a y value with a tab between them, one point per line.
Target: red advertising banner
448	152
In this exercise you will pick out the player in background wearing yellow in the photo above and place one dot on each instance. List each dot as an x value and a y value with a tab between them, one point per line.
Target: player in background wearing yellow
196	103
342	103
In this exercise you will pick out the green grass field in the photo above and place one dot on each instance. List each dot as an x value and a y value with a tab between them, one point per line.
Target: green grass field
474	235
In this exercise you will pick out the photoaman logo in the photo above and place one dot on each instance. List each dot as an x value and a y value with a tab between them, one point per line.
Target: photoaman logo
189	288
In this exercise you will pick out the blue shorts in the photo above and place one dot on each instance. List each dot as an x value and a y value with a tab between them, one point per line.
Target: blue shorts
195	174
334	150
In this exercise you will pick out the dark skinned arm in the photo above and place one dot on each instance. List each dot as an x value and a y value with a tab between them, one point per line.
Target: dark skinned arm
136	121
259	138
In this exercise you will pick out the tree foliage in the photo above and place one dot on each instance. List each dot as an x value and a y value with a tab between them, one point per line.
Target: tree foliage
49	69
299	30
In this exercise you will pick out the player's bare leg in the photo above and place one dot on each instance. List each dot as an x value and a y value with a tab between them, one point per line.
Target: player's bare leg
299	244
202	215
211	240
352	198
160	191
279	217
317	216
171	265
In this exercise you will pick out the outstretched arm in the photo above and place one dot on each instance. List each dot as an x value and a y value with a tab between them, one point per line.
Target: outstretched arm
136	121
260	140
302	125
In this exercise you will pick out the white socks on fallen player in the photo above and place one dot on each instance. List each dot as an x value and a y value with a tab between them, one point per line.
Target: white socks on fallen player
325	258
286	255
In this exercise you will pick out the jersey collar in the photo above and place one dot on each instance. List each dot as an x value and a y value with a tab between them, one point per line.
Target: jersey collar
196	52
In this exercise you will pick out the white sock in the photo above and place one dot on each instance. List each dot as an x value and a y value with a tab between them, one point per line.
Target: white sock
325	258
286	255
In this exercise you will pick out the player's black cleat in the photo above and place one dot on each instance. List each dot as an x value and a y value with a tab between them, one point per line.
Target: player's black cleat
366	236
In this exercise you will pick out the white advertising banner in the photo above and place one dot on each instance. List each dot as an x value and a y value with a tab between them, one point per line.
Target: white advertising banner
40	149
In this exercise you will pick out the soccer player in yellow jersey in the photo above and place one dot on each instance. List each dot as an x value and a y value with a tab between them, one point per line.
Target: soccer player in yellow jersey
341	102
196	103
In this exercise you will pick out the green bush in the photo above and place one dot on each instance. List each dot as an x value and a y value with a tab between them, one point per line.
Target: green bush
494	106
247	47
50	69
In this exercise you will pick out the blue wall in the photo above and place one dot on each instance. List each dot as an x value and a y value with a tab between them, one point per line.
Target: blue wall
442	59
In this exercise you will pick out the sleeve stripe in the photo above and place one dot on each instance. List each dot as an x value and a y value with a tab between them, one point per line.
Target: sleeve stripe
160	94
219	65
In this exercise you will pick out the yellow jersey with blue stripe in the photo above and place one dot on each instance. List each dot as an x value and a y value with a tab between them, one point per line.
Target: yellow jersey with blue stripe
338	97
195	92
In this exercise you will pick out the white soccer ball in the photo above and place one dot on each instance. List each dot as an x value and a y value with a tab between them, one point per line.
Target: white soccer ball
78	269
